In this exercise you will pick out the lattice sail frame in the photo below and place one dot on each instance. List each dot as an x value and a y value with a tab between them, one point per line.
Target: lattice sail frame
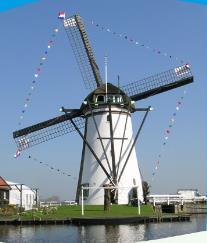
83	53
159	83
45	131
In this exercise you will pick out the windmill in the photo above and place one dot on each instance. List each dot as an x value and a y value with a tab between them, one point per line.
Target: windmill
108	153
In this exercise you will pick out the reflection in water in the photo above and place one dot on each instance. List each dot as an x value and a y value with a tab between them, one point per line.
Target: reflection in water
112	233
99	233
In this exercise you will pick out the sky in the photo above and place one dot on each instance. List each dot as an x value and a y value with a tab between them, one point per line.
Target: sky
9	4
174	27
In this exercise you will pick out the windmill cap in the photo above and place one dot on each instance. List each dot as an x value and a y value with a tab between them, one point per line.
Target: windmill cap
111	90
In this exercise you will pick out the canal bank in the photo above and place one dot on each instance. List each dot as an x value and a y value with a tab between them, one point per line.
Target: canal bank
99	220
95	215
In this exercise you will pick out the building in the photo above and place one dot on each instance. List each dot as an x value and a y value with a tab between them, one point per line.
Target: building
182	196
4	192
18	194
190	195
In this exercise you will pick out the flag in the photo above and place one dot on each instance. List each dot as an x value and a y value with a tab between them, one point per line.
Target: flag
61	15
17	154
182	70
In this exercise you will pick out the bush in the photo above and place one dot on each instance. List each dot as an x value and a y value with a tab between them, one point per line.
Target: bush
9	210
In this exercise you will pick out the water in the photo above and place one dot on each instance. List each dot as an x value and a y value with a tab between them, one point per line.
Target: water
100	233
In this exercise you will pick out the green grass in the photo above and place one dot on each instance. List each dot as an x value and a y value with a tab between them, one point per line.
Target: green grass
98	211
64	212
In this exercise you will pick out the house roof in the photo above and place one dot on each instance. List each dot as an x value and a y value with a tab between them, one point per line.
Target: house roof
14	185
3	184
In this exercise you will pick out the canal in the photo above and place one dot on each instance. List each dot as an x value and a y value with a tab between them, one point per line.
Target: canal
100	233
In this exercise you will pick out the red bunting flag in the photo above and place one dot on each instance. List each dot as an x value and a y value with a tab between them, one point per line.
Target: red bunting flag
17	154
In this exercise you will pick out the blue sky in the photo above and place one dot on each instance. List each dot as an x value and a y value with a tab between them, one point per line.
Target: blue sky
196	1
9	4
175	27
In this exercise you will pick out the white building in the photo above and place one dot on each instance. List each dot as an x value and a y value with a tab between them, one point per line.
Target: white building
182	196
21	195
189	195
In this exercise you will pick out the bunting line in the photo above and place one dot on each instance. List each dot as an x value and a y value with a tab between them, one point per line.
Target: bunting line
135	42
36	75
167	133
50	166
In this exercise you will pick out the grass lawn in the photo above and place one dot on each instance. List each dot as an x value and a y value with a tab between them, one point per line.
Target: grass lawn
64	212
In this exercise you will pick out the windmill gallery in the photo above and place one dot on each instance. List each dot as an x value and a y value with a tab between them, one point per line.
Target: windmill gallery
108	153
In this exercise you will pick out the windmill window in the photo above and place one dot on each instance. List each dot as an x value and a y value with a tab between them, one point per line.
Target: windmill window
109	98
134	181
114	99
118	99
100	99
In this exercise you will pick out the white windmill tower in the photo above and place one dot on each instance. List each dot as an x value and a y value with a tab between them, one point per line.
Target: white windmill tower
108	154
109	133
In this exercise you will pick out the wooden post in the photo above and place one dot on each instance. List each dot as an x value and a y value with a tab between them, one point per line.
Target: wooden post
21	197
138	202
107	198
82	206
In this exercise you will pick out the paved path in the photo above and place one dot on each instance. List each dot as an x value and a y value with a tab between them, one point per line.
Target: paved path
199	237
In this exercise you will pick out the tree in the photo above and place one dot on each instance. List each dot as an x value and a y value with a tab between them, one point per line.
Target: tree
53	198
146	190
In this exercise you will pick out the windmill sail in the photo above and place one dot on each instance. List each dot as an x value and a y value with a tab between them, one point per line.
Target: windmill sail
83	53
159	83
44	131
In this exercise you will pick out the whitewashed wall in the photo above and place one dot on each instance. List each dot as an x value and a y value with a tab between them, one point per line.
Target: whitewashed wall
28	196
93	173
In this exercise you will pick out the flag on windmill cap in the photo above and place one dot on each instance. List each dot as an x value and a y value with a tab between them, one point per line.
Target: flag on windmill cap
61	15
